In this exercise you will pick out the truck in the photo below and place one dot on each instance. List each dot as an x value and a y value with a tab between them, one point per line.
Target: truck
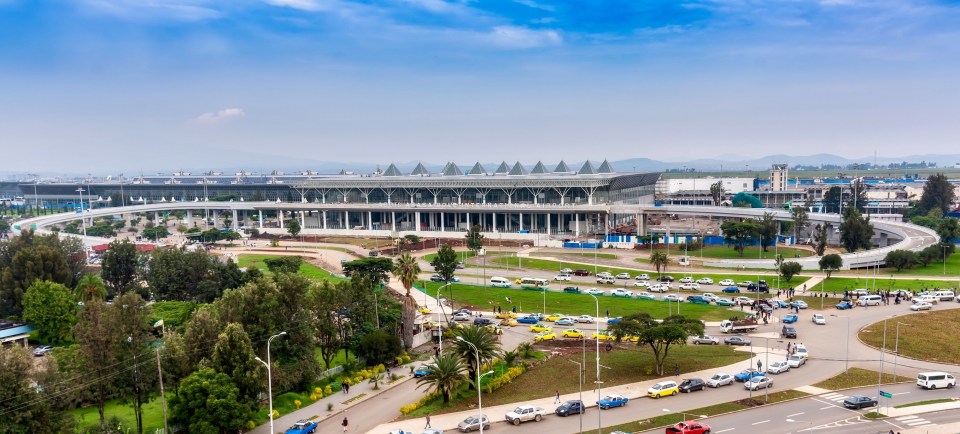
524	413
736	325
302	427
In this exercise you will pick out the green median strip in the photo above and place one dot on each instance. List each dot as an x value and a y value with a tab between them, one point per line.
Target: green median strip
927	402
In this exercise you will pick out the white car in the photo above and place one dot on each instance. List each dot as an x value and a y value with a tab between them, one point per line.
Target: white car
672	298
744	301
819	319
705	340
595	291
643	276
710	296
620	292
658	287
718	380
920	305
585	319
801	350
727	282
705	281
641	284
927	298
690	286
461	316
645	296
562	277
604	274
796	361
778	367
566	271
745	283
686	279
606	279
623	276
757	383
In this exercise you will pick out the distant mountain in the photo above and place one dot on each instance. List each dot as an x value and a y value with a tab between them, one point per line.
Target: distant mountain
763	163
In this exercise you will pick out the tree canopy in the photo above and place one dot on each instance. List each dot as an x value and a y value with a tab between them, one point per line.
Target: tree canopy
51	309
745	200
830	263
374	269
207	402
120	266
474	238
739	233
856	231
445	263
938	193
659	336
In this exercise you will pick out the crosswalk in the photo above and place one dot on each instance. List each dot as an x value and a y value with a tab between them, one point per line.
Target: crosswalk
913	421
833	396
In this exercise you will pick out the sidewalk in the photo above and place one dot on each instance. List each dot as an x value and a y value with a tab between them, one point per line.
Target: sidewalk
632	391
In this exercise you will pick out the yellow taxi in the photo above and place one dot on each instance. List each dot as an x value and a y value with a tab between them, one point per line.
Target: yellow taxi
663	388
545	336
553	317
505	315
431	325
630	338
509	322
573	334
540	327
424	310
603	335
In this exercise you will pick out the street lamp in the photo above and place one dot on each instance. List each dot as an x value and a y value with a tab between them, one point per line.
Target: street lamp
269	378
597	322
580	372
883	349
479	402
896	349
440	305
82	221
846	358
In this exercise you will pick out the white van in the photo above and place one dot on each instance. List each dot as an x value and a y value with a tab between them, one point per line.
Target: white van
499	282
935	380
869	300
944	295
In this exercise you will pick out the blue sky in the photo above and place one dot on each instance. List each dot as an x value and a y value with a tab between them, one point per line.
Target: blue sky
128	84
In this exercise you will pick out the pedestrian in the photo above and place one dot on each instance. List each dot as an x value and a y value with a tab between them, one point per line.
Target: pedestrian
343	386
428	423
557	400
788	347
344	423
608	313
676	369
348	388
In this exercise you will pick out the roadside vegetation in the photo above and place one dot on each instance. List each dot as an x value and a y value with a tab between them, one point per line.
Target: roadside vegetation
855	377
916	340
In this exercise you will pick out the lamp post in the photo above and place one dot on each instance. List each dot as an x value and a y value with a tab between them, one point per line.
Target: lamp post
82	221
896	349
479	402
883	349
597	322
846	358
580	373
269	378
440	305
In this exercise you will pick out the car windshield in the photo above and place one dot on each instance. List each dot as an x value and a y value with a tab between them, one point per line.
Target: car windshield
610	398
716	377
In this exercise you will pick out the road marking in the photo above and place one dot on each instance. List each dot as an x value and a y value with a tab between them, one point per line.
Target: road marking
828	407
762	421
795	414
724	430
901	393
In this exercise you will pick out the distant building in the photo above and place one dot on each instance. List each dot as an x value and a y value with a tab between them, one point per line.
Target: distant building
779	175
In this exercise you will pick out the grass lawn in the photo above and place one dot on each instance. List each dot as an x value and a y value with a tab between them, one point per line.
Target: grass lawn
749	252
931	401
173	313
338	360
854	377
306	269
838	284
627	366
88	417
934	269
463	255
916	340
572	304
579	256
712	410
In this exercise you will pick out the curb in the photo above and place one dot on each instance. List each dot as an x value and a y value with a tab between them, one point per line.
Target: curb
324	418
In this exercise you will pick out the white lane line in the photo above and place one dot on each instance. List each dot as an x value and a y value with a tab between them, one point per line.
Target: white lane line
795	414
828	407
724	430
762	421
901	393
905	418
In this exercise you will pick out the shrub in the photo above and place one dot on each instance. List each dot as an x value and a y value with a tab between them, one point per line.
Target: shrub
327	391
407	409
329	406
507	377
297	404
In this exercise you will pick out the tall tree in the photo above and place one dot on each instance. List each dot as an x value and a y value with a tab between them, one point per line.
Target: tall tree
445	375
767	228
745	200
328	302
201	333
739	233
659	336
830	263
801	219
855	231
30	402
949	231
374	269
858	196
406	270
50	308
483	340
98	333
474	239
938	193
120	266
660	260
174	359
820	237
716	192
136	332
293	227
901	259
832	199
789	269
208	402
445	263
28	265
190	276
89	287
233	355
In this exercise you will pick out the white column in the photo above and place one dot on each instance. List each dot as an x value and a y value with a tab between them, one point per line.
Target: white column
235	223
260	218
393	221
441	222
346	220
303	219
324	219
416	216
520	219
280	217
548	223
468	221
189	219
370	220
576	217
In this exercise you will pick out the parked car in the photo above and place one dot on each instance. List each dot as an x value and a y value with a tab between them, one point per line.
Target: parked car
663	388
472	423
843	305
571	407
642	283
571	290
927	298
606	280
611	401
658	287
602	335
643	276
525	413
790	319
562	277
696	299
666	278
796	361
555	316
644	296
620	292
737	340
41	350
596	291
566	271
573	334
692	286
614	320
747	374
718	380
545	336
706	340
689	427
799	303
505	315
686	279
745	284
540	327
581	272
710	296
745	301
757	383
801	350
673	298
483	321
604	274
566	321
529	319
725	302
303	426
778	367
727	282
623	276
585	319
818	319
859	401
509	322
705	281
921	305
691	385
731	290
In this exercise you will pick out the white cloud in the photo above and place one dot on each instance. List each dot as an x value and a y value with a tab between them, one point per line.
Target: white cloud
535	5
523	37
303	5
182	10
220	116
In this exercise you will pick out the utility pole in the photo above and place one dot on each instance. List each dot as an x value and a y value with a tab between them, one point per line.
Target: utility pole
163	398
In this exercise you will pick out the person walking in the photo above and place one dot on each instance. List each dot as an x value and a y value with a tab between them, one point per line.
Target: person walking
557	400
345	423
428	423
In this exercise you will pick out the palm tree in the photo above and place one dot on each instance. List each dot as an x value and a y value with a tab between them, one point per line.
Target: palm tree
89	287
445	375
481	338
660	260
406	270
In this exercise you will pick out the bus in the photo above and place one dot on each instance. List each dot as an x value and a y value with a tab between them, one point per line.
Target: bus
535	284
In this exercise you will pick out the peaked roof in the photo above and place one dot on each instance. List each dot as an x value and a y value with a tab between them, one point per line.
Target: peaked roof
562	168
587	169
539	169
605	167
420	170
518	169
451	169
477	169
503	168
392	171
